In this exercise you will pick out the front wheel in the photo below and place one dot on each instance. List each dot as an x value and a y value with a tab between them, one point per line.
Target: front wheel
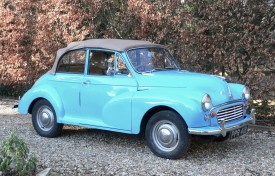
44	120
167	135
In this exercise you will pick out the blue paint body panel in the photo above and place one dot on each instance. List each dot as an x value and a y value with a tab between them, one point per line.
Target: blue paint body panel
120	102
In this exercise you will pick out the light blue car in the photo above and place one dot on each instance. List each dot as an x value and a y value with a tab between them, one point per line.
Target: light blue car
135	87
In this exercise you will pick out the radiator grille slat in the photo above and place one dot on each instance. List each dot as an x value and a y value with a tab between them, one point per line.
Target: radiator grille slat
236	111
230	113
231	108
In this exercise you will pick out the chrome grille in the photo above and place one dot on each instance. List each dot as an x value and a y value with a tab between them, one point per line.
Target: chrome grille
230	113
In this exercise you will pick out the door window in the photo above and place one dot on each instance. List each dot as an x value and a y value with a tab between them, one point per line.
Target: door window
106	63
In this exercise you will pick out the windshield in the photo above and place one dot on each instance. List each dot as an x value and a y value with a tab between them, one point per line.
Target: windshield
151	59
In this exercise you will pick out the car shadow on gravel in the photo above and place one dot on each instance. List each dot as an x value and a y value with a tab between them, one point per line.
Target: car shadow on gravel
198	147
238	148
102	136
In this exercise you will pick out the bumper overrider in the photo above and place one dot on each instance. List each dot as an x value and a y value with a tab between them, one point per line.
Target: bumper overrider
222	129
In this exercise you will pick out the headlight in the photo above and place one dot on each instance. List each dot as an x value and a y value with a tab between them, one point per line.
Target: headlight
246	93
206	102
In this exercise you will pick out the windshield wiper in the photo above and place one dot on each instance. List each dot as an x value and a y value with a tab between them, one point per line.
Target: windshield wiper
160	69
171	68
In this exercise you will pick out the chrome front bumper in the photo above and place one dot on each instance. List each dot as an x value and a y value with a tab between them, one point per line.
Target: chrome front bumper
222	128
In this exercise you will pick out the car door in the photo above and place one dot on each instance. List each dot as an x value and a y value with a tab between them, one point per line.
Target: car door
68	81
107	91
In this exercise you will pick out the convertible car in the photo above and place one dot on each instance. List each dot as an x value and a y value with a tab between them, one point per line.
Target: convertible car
135	87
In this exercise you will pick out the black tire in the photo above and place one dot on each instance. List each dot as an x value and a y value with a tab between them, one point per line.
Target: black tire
44	120
167	135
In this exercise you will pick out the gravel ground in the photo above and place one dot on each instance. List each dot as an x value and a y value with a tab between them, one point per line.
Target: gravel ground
82	151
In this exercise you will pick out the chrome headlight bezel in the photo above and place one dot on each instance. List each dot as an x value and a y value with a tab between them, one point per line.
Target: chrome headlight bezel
246	93
206	102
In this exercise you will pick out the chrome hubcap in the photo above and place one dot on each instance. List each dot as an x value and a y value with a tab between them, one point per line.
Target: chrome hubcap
165	135
45	118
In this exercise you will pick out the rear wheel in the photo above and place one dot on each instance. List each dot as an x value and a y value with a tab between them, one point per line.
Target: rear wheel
167	135
44	120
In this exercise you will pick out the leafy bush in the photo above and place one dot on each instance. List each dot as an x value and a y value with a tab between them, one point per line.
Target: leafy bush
13	90
14	157
234	38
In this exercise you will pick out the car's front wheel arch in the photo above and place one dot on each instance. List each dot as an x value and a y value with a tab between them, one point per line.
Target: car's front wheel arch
149	114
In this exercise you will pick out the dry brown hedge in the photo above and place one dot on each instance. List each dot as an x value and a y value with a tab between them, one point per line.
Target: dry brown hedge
235	38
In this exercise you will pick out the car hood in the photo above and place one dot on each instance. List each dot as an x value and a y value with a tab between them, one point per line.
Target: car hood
215	86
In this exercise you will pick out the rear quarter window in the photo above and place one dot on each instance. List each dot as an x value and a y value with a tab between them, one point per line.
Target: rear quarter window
72	62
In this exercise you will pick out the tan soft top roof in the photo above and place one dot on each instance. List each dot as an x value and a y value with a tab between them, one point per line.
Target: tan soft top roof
111	44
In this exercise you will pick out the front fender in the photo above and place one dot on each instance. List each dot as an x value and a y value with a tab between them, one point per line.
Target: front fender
237	90
44	92
187	104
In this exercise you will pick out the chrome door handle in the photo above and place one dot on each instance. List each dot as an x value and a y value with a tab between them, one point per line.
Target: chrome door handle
86	82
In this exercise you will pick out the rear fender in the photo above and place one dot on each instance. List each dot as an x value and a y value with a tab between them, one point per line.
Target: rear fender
41	92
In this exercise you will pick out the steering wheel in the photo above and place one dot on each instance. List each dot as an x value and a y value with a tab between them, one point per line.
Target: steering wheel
140	68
